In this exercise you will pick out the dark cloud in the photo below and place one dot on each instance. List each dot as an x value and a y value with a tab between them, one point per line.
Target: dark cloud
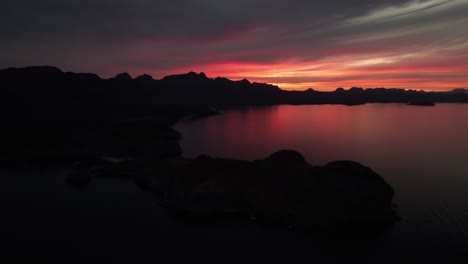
58	19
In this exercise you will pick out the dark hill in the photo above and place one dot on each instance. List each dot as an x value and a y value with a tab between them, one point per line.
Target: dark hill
123	77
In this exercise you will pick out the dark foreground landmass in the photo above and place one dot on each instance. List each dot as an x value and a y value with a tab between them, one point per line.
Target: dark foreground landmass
282	188
121	128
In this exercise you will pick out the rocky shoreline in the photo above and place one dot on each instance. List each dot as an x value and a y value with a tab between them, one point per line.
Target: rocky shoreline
282	188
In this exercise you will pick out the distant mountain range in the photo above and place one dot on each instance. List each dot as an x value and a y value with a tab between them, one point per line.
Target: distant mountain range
44	85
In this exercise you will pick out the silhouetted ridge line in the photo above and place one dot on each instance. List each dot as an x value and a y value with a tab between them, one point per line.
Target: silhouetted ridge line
192	88
123	77
144	78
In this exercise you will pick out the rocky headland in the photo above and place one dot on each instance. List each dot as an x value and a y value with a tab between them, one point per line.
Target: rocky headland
282	188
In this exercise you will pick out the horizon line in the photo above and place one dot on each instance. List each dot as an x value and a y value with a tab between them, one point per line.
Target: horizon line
235	80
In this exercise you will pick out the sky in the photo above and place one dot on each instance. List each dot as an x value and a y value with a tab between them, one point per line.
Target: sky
295	44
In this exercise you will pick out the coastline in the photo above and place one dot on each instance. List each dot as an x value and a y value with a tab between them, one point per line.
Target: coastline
175	184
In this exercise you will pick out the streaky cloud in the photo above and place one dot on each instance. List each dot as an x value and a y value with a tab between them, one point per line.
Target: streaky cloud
392	12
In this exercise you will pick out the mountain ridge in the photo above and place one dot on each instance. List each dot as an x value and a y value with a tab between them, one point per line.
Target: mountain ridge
197	88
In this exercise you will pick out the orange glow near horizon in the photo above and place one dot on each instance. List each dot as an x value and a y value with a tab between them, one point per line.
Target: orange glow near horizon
329	76
432	68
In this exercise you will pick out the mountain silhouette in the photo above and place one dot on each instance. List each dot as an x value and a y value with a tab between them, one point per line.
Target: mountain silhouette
123	77
46	89
145	78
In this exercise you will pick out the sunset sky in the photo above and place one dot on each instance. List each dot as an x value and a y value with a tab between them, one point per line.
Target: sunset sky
320	44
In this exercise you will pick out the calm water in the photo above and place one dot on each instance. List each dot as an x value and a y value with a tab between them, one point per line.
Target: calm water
421	151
